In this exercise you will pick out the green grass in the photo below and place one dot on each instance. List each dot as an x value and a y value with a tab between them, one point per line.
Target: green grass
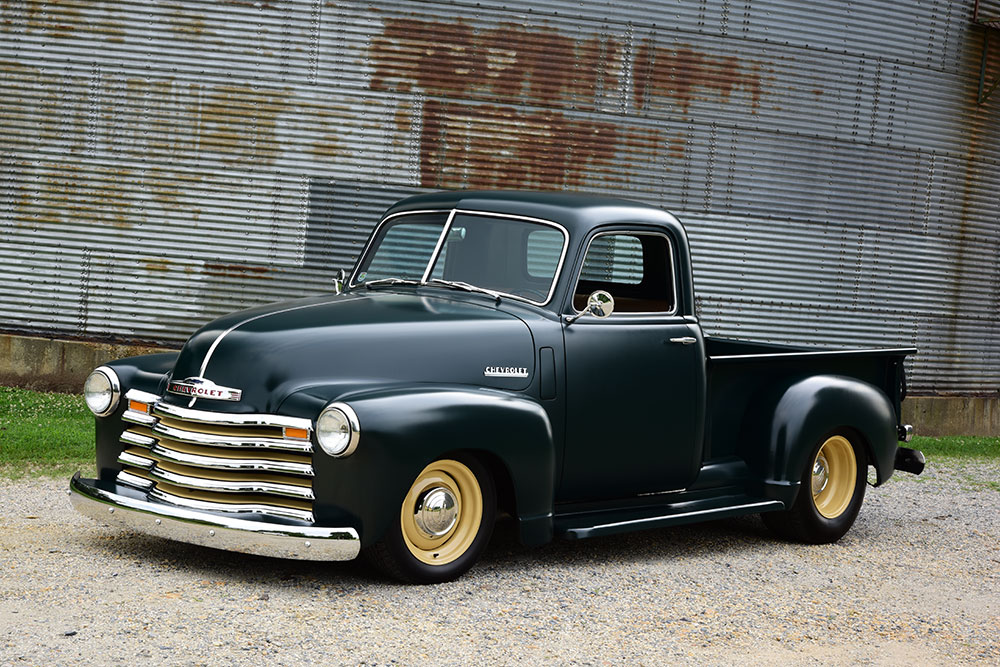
53	435
44	434
958	447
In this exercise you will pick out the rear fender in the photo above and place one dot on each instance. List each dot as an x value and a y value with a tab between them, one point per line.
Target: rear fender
810	410
405	428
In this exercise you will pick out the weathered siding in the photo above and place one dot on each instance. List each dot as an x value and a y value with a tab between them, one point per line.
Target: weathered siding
165	163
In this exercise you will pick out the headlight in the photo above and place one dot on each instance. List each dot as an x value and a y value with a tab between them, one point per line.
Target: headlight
337	430
101	391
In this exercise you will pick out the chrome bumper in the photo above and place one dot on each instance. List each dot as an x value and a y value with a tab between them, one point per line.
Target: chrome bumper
211	530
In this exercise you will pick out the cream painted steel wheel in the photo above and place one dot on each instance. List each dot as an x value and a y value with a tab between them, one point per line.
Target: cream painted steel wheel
834	477
831	490
442	512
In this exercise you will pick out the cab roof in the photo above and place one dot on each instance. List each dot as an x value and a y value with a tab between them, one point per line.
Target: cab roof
577	212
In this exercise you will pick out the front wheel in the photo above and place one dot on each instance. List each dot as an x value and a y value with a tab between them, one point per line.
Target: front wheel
830	496
445	522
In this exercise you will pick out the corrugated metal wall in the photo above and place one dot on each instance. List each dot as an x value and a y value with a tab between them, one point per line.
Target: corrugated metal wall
164	163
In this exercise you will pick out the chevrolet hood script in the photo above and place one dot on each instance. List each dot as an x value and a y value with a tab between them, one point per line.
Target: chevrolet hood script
202	388
505	372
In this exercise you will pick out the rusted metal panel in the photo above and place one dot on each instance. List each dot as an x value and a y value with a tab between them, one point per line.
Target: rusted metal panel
165	164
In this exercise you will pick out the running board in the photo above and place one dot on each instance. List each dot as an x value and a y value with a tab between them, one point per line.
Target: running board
597	524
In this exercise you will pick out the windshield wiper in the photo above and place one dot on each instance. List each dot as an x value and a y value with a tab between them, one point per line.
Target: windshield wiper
386	282
457	284
454	284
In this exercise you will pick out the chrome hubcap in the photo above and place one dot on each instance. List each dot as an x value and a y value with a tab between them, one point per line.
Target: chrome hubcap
821	474
436	512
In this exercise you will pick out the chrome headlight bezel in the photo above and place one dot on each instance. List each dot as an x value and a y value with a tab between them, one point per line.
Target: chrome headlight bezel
113	389
337	430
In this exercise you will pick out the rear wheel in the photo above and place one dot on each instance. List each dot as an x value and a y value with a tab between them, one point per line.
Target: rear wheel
445	522
830	496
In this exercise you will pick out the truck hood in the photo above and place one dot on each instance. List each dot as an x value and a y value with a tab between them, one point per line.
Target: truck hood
354	341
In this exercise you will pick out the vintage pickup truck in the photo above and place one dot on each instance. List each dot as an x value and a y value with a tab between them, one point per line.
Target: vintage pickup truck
533	355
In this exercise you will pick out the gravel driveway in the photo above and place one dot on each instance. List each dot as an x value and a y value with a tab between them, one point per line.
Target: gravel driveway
917	581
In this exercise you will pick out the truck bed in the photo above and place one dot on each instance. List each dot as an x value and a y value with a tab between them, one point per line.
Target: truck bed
739	371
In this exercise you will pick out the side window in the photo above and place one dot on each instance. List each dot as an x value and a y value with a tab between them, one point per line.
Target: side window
614	258
636	269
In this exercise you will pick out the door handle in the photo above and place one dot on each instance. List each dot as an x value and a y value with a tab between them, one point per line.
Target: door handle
684	340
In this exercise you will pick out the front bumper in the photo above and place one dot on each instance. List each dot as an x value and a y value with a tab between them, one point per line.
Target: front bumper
211	530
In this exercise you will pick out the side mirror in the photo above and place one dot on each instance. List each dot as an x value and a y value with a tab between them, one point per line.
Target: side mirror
600	304
338	282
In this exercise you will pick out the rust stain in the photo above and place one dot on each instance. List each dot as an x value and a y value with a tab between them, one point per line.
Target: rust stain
76	192
238	122
235	270
328	122
454	59
327	147
158	265
154	125
186	23
488	146
492	146
677	145
62	19
498	145
57	19
173	123
172	189
684	75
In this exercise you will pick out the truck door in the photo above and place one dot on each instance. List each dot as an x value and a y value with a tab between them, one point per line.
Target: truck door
635	381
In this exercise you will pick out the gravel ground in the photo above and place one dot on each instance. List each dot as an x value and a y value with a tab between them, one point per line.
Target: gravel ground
916	581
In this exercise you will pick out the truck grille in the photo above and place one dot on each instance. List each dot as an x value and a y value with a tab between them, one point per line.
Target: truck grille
216	461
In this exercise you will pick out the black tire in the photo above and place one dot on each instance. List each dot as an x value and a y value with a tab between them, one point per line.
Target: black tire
824	513
410	554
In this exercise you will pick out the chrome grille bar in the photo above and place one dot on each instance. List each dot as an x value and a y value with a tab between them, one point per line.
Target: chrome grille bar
226	419
218	462
231	486
137	417
131	459
212	440
126	477
132	438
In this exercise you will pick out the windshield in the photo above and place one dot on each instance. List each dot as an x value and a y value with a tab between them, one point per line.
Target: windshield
510	256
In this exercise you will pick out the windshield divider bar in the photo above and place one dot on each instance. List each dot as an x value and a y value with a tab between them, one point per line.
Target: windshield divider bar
440	244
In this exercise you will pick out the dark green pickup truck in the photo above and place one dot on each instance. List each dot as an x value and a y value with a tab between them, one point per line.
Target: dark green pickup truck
535	355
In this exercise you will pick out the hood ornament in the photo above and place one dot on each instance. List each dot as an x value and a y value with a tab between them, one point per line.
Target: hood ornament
203	388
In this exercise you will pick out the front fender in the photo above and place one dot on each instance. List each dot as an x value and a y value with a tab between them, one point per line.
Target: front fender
147	373
809	410
405	428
